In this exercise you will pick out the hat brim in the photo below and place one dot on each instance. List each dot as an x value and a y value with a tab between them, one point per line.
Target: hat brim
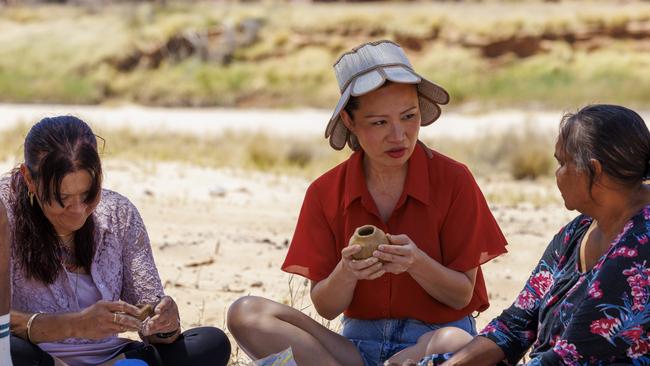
430	96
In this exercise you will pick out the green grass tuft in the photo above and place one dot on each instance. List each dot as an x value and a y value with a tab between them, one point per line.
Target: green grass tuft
67	54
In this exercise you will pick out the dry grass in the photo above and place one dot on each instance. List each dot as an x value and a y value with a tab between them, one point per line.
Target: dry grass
232	149
523	154
62	54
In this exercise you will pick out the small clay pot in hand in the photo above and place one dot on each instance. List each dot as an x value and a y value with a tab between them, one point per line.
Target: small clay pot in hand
146	310
369	237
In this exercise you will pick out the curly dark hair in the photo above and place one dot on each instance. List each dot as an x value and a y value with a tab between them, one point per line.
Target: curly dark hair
54	148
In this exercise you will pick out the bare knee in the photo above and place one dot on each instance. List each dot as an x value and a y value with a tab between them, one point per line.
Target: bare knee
245	312
448	339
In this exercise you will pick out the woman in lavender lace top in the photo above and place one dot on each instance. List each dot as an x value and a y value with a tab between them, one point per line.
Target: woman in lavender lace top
587	302
80	261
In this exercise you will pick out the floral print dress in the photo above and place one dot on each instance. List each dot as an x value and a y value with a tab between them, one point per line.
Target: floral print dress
599	317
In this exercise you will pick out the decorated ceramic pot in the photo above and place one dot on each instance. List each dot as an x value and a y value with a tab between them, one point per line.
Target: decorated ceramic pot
369	237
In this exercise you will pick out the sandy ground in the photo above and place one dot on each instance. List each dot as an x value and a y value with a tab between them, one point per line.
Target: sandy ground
222	234
219	234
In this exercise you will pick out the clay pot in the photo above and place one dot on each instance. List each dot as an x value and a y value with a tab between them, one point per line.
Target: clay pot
370	238
146	310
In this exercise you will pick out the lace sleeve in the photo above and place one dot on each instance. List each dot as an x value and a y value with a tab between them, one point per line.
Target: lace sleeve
7	216
141	282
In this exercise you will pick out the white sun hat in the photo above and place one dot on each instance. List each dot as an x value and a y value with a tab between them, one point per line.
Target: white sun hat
366	68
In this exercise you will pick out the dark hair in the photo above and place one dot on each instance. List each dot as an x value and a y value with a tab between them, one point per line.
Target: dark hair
614	135
54	148
352	105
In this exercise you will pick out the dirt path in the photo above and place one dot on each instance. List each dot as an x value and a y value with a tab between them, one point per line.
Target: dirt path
285	122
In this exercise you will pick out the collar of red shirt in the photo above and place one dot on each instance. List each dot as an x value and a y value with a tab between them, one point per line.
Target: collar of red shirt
416	185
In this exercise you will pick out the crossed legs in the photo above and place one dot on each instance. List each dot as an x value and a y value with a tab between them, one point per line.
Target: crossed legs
443	340
263	327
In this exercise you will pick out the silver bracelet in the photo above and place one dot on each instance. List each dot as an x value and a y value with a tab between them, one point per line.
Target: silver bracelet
29	326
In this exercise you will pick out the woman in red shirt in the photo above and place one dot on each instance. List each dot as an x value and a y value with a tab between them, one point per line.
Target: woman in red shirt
440	227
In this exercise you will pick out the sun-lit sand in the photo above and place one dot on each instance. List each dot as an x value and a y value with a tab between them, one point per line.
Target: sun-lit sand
221	234
218	234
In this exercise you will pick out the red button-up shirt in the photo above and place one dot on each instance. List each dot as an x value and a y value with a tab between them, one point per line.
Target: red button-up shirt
441	209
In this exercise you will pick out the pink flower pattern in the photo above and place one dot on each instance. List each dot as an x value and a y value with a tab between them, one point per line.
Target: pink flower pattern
526	300
605	326
633	334
640	348
638	277
541	282
567	352
594	291
599	317
624	252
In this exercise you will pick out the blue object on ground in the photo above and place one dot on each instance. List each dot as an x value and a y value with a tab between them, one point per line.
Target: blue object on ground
130	362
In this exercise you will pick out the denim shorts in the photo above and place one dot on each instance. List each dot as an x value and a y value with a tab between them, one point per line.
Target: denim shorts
378	340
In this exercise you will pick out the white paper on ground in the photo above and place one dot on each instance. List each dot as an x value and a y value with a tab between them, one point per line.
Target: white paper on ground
5	355
284	358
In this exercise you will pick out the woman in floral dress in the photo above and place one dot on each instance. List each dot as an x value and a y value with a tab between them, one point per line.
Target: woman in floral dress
588	300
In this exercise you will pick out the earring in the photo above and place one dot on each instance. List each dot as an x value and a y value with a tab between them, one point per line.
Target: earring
31	198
